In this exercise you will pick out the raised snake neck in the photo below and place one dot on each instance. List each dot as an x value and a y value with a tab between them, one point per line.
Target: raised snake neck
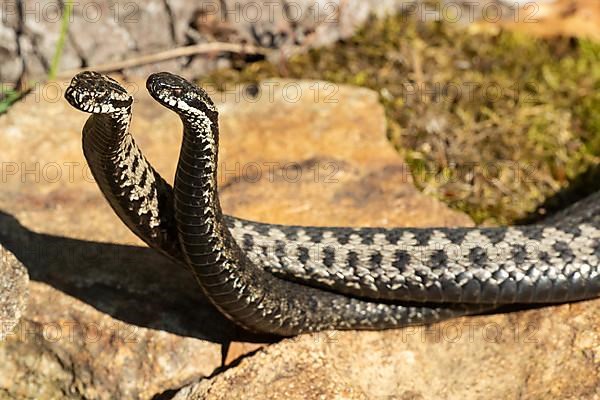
539	263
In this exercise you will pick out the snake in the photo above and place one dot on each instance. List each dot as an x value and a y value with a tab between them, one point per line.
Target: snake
288	280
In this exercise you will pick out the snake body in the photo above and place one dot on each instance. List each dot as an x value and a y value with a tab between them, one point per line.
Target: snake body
292	279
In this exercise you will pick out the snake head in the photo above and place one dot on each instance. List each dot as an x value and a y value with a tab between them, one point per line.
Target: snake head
97	94
179	95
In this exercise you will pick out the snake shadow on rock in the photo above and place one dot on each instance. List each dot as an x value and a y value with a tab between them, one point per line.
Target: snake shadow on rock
133	284
581	186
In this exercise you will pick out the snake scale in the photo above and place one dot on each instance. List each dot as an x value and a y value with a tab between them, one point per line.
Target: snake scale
292	279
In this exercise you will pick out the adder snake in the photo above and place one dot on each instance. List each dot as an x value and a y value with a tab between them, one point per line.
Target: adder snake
292	279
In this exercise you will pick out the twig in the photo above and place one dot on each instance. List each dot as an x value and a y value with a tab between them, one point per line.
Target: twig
169	54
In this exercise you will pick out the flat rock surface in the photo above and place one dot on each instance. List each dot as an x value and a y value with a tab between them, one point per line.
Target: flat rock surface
110	318
13	291
538	354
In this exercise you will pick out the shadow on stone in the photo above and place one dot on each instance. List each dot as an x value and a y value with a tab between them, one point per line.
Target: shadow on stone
133	284
581	186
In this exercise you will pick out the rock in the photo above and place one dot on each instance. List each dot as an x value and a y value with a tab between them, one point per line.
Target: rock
558	17
317	154
12	68
104	32
13	291
104	320
110	319
539	354
280	370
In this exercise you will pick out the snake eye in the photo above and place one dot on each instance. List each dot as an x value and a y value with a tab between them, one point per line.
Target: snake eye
177	92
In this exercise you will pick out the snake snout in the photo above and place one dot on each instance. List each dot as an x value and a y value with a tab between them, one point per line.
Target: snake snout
167	88
176	93
96	93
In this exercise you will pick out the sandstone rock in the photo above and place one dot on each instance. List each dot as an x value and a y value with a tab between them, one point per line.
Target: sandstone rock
110	319
538	354
13	291
13	66
104	320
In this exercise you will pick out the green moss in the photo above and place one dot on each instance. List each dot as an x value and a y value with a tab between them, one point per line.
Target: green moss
493	123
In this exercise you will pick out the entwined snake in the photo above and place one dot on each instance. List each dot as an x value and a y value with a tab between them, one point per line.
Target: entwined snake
292	279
